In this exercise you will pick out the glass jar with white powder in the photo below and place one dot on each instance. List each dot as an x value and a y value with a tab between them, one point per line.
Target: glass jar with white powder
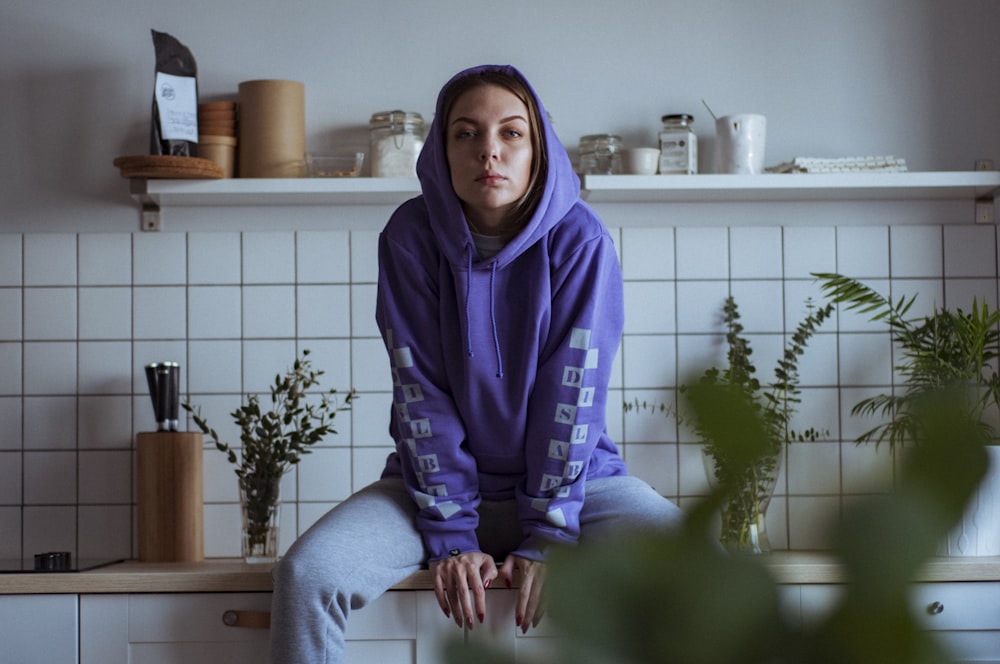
600	154
396	140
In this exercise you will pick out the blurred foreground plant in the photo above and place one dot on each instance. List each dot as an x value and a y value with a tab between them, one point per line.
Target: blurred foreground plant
678	597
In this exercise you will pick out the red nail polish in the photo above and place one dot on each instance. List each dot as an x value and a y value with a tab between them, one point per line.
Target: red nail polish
482	617
447	613
518	620
486	584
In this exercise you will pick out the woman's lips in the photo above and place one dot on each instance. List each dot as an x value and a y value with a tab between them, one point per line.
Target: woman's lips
490	178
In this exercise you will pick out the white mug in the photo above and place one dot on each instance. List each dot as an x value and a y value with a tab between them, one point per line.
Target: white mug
740	140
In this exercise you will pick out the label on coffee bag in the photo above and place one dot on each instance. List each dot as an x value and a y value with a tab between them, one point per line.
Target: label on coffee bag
177	104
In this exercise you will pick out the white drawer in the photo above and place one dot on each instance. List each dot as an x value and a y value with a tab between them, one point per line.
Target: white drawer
38	628
189	627
192	617
199	617
979	647
957	606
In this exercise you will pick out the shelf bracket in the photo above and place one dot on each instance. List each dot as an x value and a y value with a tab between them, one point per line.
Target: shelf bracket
149	218
986	210
986	205
149	215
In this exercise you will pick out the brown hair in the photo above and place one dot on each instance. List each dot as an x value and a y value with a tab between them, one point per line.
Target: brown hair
539	161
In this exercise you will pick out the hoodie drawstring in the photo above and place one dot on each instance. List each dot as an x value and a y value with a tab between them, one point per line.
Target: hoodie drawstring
493	319
468	310
468	292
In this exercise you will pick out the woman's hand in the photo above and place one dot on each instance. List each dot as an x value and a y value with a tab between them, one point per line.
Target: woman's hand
460	584
530	605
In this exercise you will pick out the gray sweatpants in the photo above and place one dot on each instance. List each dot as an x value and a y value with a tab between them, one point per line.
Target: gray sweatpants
369	542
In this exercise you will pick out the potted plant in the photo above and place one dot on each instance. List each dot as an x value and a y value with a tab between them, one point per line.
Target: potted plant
750	481
950	352
272	442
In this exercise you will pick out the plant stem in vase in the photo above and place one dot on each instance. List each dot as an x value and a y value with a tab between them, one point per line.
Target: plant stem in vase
744	513
260	507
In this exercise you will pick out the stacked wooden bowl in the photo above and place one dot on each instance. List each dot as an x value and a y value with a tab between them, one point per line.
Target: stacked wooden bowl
217	134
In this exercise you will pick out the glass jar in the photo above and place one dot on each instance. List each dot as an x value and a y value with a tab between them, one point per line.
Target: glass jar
600	154
678	145
396	139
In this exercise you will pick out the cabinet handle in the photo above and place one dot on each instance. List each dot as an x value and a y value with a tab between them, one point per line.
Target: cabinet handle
935	608
248	619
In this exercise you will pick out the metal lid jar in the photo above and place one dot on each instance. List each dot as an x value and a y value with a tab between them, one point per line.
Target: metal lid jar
600	154
678	145
396	138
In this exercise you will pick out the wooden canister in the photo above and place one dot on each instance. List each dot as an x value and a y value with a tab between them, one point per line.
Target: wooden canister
170	503
272	128
221	150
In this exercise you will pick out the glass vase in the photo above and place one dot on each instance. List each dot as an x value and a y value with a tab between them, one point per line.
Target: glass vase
743	526
260	508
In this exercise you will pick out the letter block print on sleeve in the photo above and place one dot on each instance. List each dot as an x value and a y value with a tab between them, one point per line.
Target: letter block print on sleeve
566	414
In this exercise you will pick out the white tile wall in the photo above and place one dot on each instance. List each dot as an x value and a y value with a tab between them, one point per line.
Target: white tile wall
80	315
105	259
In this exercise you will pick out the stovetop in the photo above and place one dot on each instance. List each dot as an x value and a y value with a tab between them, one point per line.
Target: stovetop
48	563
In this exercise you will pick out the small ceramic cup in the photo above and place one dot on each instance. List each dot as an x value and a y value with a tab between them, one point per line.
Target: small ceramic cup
640	161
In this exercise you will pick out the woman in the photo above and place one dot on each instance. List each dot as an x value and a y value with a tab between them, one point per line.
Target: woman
500	304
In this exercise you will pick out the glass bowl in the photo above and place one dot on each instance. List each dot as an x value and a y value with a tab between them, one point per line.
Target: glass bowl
345	165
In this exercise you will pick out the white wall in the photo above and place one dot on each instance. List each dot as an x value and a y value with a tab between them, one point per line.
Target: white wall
82	292
916	79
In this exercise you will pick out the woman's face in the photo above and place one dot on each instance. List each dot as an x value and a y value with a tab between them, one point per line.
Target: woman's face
488	144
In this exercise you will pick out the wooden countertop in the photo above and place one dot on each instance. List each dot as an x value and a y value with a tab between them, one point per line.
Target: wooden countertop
231	575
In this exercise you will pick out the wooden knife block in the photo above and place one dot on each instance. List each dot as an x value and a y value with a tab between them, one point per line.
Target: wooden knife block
170	502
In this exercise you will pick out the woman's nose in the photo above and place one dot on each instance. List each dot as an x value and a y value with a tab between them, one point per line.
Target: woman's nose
489	149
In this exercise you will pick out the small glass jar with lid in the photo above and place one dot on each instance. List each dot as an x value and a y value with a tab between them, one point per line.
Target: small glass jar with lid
396	138
678	145
600	154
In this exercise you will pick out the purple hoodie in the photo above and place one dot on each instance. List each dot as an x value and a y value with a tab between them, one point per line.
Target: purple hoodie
500	367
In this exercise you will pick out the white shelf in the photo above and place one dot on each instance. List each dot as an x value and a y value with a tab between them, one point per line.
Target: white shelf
971	185
981	187
274	191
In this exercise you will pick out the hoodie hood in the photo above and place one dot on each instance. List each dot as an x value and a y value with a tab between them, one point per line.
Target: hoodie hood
447	219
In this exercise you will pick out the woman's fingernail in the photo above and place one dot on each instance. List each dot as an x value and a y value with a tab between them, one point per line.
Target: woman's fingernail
482	617
518	620
486	584
447	613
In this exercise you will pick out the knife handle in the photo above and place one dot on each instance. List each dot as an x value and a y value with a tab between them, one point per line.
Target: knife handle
173	395
162	387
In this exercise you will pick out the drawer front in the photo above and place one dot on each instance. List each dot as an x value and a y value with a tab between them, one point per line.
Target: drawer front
958	606
979	647
200	617
192	617
38	628
246	652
